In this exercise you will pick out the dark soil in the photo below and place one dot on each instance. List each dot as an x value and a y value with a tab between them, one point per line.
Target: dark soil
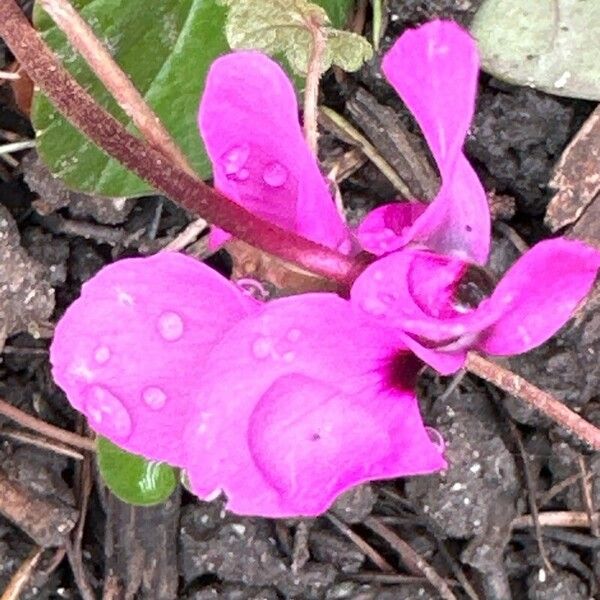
460	521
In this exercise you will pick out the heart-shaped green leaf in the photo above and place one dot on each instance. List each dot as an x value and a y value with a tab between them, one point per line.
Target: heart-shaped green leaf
132	478
166	49
551	45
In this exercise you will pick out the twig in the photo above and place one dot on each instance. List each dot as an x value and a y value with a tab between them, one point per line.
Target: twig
22	575
187	236
28	438
192	194
83	39
532	496
575	519
377	23
363	546
406	552
17	146
345	131
313	76
558	488
73	545
515	385
56	433
588	497
9	75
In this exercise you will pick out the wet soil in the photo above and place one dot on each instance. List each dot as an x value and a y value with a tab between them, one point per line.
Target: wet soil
465	522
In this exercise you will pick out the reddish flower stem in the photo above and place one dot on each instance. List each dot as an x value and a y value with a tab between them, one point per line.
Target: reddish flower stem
191	193
109	134
548	405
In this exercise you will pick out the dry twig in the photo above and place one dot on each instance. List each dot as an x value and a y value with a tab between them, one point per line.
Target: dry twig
19	580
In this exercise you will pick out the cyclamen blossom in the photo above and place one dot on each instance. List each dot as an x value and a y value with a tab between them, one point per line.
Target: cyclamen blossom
283	405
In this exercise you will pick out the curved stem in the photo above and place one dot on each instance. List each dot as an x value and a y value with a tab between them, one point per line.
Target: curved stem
190	192
515	385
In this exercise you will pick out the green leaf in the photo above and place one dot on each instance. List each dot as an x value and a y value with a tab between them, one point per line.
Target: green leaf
166	48
282	26
552	46
339	11
132	478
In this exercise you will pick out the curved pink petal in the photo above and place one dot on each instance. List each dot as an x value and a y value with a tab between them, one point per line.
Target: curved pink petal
128	352
385	229
300	403
539	294
457	222
434	69
248	119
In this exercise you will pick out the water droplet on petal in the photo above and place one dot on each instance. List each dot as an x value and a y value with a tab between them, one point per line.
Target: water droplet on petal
374	307
106	411
235	158
102	354
242	175
170	325
154	397
293	335
275	174
262	347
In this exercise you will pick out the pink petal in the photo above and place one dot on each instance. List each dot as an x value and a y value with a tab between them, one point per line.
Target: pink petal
300	403
434	69
128	352
411	293
248	119
540	293
385	229
457	222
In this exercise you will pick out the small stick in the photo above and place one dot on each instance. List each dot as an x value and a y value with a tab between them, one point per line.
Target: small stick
575	519
515	385
84	40
17	146
342	128
22	575
22	418
409	555
363	546
311	91
38	442
588	497
532	496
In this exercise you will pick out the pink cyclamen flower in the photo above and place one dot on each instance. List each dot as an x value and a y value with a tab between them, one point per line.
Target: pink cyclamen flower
431	292
282	405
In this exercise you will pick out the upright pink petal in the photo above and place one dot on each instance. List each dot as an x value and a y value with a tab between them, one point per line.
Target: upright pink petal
128	352
301	402
434	69
457	222
539	294
248	119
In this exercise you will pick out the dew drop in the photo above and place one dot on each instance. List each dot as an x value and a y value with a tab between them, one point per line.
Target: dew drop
242	175
235	158
293	335
275	174
154	397
170	326
106	411
262	347
374	307
102	354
